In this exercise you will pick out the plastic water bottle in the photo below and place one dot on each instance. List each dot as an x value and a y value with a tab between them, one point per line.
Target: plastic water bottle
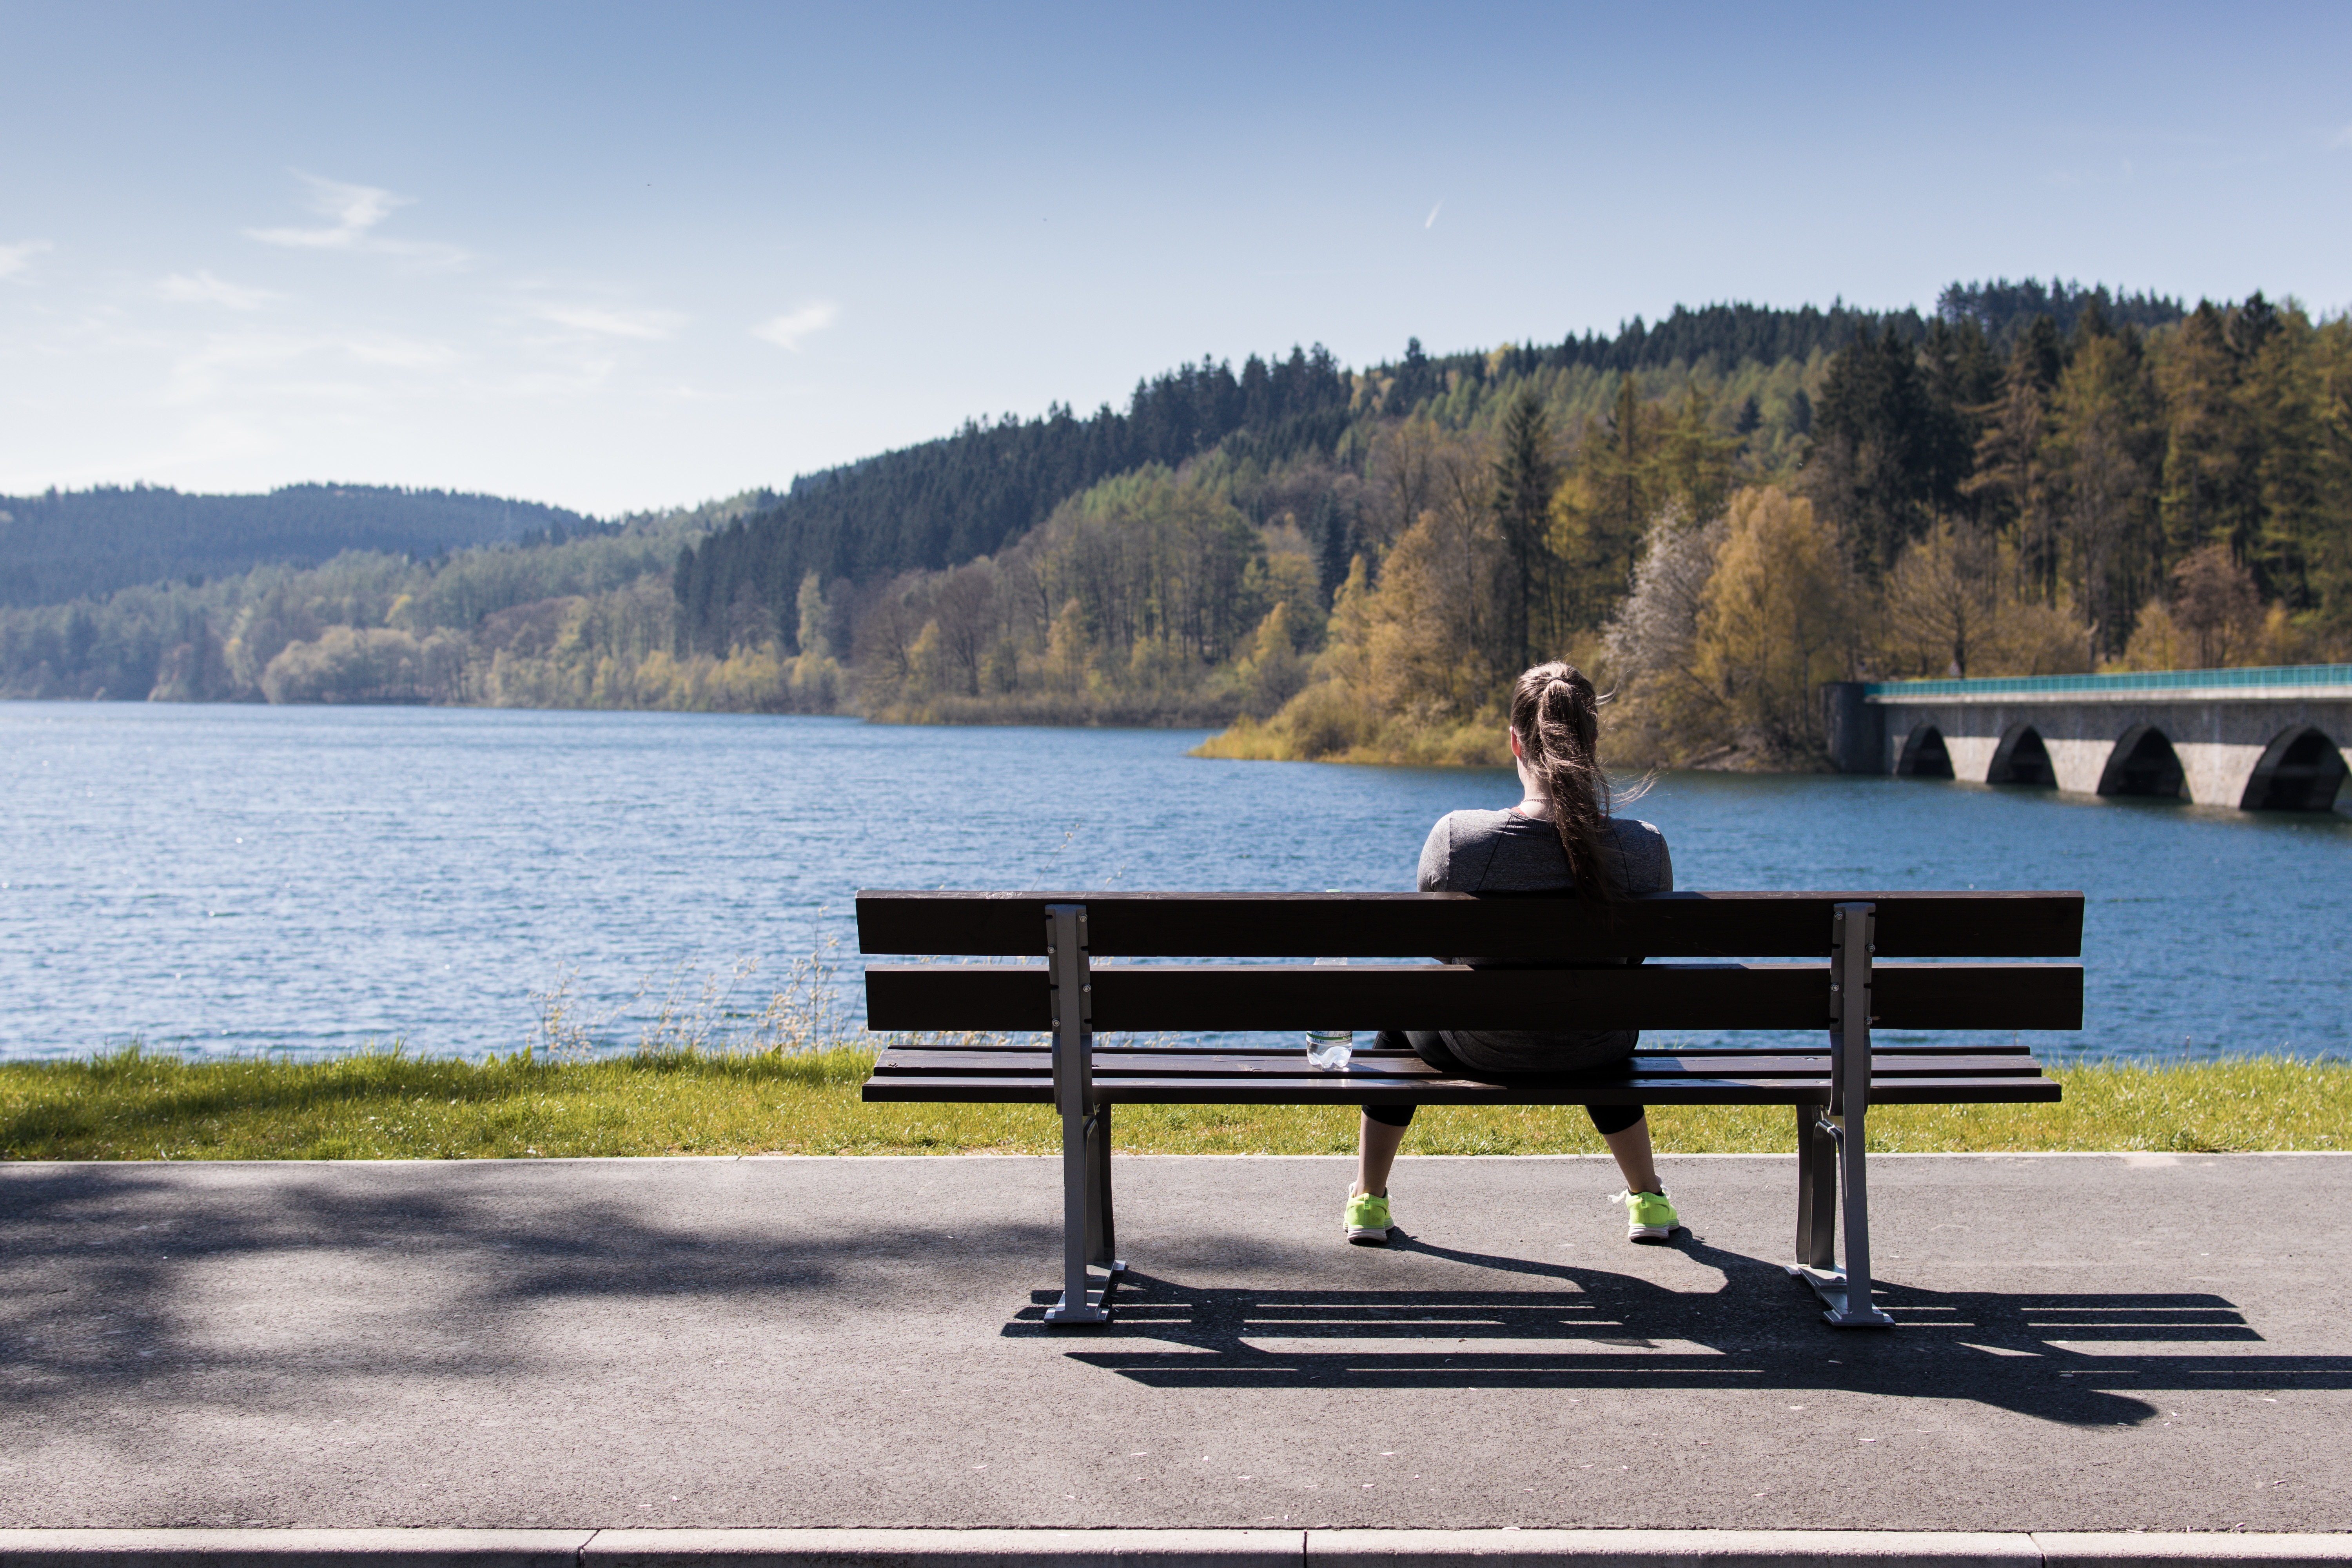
1327	1050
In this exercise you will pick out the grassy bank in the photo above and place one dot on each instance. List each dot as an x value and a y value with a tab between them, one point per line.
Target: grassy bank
387	1106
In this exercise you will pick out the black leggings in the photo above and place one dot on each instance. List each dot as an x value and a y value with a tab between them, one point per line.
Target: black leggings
1431	1047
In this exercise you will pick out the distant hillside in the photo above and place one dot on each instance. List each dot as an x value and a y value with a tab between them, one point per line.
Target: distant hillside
87	543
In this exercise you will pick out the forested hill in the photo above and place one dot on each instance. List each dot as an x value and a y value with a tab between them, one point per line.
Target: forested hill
943	502
976	491
87	543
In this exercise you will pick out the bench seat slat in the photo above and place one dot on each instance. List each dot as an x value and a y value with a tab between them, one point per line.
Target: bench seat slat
1332	1090
1157	1064
1144	997
1289	1050
1366	925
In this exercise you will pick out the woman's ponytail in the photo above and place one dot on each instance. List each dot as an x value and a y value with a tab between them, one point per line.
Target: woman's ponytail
1555	715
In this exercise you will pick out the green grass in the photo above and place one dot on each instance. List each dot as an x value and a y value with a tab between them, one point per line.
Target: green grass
385	1105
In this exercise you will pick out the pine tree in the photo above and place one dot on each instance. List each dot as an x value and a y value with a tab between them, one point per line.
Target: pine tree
1694	464
1526	474
2011	482
2328	550
1874	464
2280	402
1960	376
2102	447
1619	488
2202	497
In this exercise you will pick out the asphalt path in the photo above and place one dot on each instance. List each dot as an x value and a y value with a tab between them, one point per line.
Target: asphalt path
2099	1343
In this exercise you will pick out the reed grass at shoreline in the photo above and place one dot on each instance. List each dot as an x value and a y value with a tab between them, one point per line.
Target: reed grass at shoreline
387	1105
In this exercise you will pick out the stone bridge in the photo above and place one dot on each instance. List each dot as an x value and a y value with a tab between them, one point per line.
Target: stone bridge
2262	740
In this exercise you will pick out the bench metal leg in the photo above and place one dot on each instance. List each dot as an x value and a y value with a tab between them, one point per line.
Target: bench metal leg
1102	1240
1817	1175
1844	1292
1086	1126
1854	1309
1086	1240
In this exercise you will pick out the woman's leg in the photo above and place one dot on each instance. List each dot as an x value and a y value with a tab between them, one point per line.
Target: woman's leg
1381	1132
1626	1130
1377	1141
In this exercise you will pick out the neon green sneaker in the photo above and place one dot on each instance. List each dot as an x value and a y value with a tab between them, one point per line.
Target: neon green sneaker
1649	1218
1367	1220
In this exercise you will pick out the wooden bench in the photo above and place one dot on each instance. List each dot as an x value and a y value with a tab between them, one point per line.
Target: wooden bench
1836	983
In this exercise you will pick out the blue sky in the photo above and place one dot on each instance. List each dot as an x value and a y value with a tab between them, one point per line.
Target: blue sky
625	257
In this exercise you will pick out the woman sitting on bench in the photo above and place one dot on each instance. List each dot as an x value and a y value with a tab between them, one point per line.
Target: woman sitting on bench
1560	839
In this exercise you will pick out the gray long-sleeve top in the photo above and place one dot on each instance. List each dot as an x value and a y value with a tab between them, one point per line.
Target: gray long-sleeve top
1504	852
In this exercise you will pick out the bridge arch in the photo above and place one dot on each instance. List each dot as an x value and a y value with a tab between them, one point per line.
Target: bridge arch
2021	758
1924	754
2143	764
2301	770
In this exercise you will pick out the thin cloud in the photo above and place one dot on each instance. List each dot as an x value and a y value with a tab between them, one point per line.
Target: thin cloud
204	289
16	259
2342	137
648	326
787	331
1431	221
356	211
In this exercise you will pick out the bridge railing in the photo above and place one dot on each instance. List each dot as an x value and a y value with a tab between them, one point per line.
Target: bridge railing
2273	677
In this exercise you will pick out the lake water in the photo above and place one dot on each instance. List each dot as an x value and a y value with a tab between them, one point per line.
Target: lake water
238	879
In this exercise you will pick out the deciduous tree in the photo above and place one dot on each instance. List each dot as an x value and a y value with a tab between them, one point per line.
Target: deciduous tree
1775	621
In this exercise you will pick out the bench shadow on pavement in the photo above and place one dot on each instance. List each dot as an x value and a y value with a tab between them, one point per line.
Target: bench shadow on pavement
1572	1326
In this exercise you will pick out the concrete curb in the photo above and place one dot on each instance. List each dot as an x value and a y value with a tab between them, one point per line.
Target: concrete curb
1674	1548
2121	1550
1151	1549
941	1549
292	1548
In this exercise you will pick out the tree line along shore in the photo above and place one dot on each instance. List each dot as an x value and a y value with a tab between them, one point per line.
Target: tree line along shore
1712	515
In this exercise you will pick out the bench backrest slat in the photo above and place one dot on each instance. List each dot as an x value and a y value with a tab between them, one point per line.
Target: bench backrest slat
1260	996
1367	925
